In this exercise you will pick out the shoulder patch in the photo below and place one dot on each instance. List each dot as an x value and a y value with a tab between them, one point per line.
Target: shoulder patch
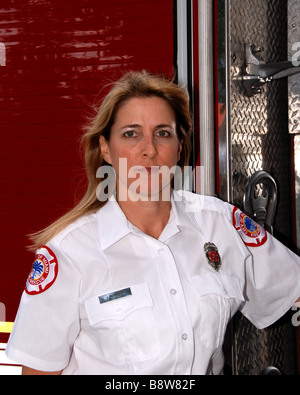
43	273
251	233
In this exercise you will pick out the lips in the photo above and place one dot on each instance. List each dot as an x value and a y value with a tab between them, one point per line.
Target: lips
147	170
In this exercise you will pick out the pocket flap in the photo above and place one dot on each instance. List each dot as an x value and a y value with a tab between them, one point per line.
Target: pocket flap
118	308
221	284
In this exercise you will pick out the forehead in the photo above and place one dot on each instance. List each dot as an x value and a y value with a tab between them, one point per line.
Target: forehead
146	109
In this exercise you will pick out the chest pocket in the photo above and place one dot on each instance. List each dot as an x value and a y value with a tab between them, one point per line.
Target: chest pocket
125	327
219	297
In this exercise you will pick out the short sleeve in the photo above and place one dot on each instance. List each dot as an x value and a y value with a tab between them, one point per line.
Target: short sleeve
272	283
47	321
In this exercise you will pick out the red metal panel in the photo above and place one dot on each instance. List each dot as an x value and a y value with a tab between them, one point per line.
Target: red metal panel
59	56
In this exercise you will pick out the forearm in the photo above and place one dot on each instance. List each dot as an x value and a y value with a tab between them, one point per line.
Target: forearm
32	372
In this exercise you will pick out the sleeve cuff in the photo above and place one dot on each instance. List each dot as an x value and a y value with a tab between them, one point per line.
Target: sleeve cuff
33	362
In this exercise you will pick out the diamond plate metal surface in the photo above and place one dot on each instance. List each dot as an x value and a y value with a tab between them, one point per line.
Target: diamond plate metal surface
259	136
297	186
259	133
255	350
293	51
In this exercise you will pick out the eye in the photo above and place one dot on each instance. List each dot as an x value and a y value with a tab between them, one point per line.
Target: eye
163	133
129	133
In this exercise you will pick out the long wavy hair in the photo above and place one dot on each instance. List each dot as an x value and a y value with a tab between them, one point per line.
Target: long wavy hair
131	85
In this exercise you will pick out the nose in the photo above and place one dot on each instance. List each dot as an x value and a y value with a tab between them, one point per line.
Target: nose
149	148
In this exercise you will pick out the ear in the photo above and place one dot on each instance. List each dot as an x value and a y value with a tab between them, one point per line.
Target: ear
105	149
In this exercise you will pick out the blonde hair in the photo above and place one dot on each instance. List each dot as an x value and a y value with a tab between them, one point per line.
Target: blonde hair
132	84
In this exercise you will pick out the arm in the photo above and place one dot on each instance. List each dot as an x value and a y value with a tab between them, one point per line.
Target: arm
44	306
31	372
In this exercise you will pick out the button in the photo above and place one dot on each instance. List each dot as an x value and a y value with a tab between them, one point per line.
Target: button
119	310
184	336
160	251
225	291
173	291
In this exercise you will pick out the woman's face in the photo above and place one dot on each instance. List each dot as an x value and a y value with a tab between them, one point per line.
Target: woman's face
143	145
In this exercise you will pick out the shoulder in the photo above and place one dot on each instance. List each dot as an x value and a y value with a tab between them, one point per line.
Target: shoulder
81	229
208	210
200	204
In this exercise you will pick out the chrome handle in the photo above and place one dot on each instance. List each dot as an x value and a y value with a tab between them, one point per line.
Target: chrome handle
261	208
257	73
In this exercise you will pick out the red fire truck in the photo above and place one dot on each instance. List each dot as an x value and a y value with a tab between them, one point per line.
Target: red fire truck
239	61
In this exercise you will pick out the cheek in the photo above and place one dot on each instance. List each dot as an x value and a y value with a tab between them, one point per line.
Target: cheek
172	154
122	156
116	152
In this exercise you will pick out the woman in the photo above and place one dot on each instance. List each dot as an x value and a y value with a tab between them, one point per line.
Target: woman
146	281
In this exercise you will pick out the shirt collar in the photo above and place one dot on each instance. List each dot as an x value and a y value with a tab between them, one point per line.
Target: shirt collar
113	224
182	214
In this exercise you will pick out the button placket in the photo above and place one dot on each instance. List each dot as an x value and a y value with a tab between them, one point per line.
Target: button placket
178	308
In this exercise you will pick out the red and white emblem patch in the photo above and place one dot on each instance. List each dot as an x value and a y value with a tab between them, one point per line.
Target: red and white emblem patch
43	273
252	233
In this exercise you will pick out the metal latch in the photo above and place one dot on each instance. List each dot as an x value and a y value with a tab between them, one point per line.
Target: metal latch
261	205
258	73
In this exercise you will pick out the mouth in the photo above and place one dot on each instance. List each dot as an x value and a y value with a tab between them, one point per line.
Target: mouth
148	169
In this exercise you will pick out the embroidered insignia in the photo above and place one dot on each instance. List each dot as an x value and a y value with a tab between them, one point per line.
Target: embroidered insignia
212	255
43	273
251	233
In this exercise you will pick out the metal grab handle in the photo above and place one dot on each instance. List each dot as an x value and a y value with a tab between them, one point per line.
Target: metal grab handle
261	208
257	73
270	371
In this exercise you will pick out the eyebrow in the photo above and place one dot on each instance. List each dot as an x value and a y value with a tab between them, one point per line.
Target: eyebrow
135	125
164	126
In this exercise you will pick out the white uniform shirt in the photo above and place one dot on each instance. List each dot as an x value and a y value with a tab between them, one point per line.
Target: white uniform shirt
104	298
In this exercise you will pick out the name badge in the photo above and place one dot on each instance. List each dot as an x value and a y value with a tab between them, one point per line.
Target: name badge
122	293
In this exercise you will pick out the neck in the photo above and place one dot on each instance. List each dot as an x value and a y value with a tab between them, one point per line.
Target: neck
150	217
